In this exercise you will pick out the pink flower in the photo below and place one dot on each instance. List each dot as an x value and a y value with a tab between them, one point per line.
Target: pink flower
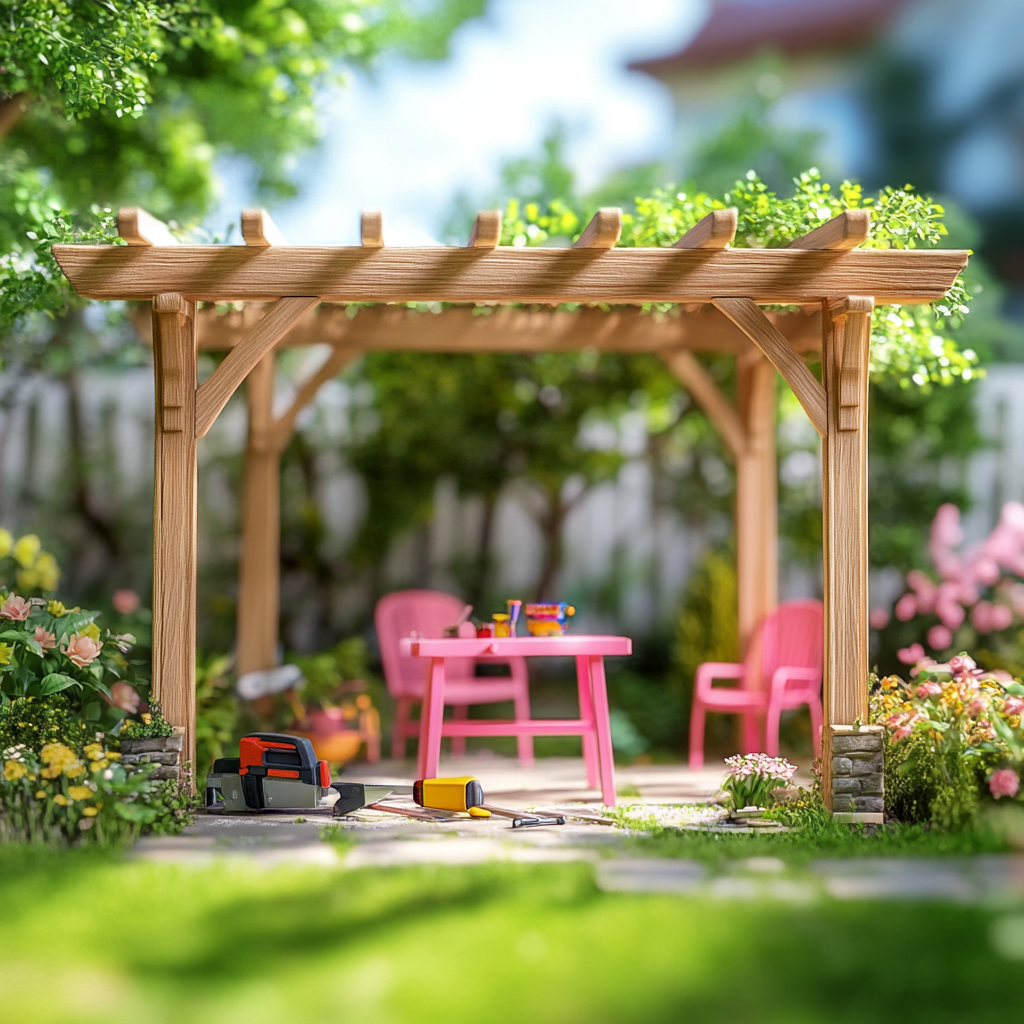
124	697
126	602
960	664
1013	706
906	607
901	733
1004	782
1002	616
16	608
939	638
45	640
928	689
82	650
879	618
976	707
910	655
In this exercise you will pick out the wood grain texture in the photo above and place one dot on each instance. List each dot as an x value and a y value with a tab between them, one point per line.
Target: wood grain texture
259	567
175	517
486	233
603	231
846	231
699	383
214	393
371	229
749	318
259	230
715	231
757	532
846	343
508	274
137	227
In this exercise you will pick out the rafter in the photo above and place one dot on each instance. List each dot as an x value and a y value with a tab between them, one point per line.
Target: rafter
715	231
603	231
371	229
486	233
137	227
259	230
846	231
213	394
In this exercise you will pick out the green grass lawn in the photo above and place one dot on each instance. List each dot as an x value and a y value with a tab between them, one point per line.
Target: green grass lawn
87	937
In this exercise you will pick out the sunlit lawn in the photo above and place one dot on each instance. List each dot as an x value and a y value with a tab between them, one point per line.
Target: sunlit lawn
94	938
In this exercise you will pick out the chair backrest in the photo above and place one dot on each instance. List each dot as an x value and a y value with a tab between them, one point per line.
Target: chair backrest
794	635
426	612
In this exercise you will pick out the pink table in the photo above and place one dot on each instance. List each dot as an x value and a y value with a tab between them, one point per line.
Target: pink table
592	725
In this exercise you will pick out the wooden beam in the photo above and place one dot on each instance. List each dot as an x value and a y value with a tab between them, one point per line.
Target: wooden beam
709	397
846	348
486	233
259	230
846	231
752	321
508	274
715	231
371	229
603	231
284	426
137	227
174	515
213	394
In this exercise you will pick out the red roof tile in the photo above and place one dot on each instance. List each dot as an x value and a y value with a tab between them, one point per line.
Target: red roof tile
737	29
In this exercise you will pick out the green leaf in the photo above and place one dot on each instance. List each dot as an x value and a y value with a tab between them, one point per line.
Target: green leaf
136	812
54	683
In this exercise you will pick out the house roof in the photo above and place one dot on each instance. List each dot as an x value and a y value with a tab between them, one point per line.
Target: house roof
736	29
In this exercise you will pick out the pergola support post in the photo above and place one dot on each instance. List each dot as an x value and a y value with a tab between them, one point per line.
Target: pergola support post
845	353
175	515
259	574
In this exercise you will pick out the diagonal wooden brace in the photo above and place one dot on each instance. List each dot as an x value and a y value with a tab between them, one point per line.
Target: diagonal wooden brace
213	394
750	319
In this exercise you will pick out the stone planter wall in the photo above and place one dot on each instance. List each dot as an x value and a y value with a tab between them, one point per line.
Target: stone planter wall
858	773
162	750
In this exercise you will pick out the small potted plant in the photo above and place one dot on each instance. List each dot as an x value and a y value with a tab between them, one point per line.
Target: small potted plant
752	782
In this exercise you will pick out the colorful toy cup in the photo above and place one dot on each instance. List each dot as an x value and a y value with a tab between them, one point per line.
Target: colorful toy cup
549	619
502	626
514	608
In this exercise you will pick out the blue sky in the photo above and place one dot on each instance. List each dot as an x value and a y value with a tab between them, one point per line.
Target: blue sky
407	139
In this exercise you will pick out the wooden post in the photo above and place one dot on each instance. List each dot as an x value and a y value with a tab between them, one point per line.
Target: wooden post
174	515
757	546
259	575
845	351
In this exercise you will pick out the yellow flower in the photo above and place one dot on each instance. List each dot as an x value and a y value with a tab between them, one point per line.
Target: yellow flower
147	718
61	799
26	549
113	755
6	542
56	608
40	794
98	766
5	654
79	792
92	631
90	812
14	770
75	770
50	773
48	570
93	751
58	755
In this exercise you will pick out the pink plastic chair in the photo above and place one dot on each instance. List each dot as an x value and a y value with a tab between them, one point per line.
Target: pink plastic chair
427	612
782	670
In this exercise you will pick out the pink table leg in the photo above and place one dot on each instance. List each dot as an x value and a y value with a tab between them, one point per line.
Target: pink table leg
590	757
431	720
604	732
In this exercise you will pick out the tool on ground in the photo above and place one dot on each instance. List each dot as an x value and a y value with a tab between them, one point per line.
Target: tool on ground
467	794
272	772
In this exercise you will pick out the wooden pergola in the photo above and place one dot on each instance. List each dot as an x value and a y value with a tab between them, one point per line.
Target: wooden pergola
718	290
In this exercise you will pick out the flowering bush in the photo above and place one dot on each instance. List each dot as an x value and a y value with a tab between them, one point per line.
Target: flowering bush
46	648
954	731
55	795
24	563
979	592
753	778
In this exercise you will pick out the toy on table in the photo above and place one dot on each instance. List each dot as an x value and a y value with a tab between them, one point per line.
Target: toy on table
514	607
457	628
550	619
501	624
